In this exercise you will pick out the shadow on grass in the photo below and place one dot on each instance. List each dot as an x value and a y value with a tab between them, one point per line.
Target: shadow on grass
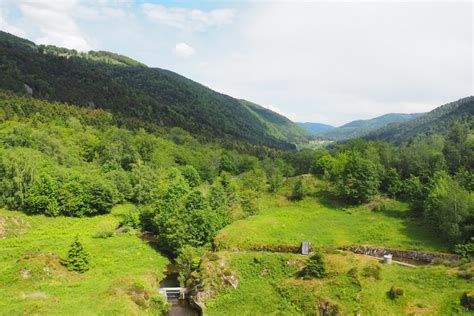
417	230
330	200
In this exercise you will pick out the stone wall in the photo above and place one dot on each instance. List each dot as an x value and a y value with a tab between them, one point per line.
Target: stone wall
427	257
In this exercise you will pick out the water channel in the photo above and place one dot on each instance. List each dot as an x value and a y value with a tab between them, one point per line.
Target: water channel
179	307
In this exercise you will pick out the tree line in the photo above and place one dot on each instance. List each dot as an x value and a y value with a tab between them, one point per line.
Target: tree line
434	174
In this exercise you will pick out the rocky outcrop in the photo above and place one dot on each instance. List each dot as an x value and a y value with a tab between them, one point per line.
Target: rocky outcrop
28	89
428	257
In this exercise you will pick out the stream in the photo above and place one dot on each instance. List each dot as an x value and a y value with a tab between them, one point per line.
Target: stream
179	307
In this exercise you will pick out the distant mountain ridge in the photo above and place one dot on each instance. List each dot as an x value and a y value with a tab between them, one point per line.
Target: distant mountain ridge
437	121
360	128
315	129
127	87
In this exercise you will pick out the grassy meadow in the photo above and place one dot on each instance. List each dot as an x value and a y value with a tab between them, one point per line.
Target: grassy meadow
269	285
121	280
324	224
269	282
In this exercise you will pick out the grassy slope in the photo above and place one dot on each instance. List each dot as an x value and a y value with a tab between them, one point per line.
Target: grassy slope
268	286
116	263
268	282
314	220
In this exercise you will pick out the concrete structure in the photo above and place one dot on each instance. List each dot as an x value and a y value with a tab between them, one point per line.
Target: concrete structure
305	248
173	293
387	259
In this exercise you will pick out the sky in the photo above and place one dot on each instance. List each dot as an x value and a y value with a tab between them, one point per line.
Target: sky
329	62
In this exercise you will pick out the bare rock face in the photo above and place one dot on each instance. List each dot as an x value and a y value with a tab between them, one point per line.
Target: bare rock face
28	89
232	280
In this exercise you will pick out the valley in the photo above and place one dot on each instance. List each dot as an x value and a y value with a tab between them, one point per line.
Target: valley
120	181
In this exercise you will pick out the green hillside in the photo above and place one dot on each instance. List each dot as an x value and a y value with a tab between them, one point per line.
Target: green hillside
279	125
438	121
360	128
122	85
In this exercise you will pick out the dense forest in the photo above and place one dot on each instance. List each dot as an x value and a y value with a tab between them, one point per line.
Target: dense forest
438	121
64	160
360	128
151	95
59	159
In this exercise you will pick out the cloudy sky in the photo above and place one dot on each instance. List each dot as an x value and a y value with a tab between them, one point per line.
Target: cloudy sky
329	62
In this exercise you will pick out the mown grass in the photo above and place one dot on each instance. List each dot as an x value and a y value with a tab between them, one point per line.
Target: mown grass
317	220
33	282
269	284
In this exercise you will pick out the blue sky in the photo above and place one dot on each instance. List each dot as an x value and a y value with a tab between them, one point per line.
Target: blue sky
329	62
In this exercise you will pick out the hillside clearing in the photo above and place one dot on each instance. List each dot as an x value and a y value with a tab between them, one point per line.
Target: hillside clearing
124	269
317	221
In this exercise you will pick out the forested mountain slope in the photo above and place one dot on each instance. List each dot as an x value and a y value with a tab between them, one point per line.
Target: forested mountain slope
437	121
122	85
278	125
361	128
316	129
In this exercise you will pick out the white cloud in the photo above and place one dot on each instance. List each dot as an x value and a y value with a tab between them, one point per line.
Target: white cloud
56	23
187	19
9	28
183	50
345	60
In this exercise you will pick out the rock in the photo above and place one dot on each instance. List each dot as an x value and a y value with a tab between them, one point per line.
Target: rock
428	257
467	300
28	89
25	274
232	280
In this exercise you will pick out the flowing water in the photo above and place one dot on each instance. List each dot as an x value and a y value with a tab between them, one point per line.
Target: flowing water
180	307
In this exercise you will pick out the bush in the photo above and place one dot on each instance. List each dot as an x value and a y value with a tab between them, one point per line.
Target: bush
104	234
191	176
249	202
372	271
77	258
299	190
187	262
353	272
315	267
465	250
104	230
358	179
131	219
395	292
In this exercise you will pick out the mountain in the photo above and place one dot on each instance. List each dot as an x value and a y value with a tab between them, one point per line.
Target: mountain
360	128
316	129
277	124
437	121
127	87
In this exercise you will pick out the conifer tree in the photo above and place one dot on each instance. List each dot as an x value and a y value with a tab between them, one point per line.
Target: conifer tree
77	257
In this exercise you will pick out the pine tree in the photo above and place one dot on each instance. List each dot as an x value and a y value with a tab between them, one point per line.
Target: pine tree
315	267
77	257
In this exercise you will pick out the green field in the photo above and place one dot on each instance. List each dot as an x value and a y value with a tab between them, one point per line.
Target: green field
283	222
269	282
268	285
124	269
